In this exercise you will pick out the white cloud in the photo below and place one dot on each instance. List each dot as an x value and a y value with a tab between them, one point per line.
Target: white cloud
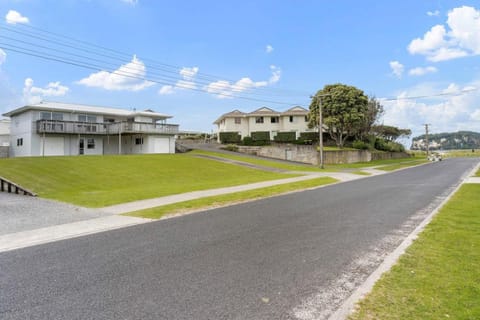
435	13
164	90
189	74
276	73
419	71
225	89
187	81
461	39
476	115
129	77
131	2
268	48
14	17
3	57
397	68
457	109
32	94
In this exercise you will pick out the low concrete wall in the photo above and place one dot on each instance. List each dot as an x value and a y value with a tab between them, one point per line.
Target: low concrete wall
3	152
309	154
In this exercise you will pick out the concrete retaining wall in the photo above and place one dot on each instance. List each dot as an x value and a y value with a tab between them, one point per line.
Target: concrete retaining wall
309	154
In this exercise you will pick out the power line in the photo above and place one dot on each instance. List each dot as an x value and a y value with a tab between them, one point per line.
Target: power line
124	74
52	38
458	93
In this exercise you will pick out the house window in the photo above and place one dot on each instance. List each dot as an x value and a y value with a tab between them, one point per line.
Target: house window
238	120
90	143
86	118
291	119
306	118
274	120
259	120
138	141
20	142
46	115
57	116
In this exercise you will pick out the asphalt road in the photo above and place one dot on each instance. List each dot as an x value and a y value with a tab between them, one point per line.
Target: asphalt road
287	257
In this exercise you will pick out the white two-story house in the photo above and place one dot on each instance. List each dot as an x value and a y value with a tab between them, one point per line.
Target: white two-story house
61	129
264	119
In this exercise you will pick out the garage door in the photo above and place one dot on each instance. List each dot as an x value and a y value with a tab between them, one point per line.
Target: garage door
54	146
161	145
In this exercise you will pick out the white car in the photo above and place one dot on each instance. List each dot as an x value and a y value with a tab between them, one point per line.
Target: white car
435	156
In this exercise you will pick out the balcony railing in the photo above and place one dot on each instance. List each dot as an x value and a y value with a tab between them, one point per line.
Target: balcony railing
75	127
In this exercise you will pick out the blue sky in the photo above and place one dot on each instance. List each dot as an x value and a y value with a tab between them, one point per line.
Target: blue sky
269	53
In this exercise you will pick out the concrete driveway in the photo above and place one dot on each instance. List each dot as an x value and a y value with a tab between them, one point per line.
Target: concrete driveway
21	213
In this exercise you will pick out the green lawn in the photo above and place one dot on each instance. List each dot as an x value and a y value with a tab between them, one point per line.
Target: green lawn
439	275
209	202
97	181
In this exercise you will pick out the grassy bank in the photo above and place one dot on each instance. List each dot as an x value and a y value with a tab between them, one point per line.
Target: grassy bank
306	167
216	201
439	276
97	181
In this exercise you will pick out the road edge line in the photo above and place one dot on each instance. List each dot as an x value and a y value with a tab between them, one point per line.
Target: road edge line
348	306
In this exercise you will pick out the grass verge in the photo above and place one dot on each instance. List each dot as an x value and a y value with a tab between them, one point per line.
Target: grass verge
402	165
438	277
97	181
304	167
216	201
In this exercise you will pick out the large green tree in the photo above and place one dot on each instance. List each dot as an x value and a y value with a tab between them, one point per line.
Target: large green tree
344	110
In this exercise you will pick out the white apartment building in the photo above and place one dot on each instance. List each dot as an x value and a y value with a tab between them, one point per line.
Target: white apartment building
4	132
264	119
61	129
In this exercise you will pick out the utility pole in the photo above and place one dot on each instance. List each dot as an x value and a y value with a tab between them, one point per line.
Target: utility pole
320	131
426	138
320	126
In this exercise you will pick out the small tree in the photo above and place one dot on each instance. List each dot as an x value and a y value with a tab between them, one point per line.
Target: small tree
390	133
374	112
344	111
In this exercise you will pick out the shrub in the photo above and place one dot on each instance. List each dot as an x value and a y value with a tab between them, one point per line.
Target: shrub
358	144
285	137
231	147
248	141
308	136
260	136
229	137
390	146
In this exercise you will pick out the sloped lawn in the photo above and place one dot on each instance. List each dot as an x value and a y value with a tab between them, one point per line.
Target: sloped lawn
97	181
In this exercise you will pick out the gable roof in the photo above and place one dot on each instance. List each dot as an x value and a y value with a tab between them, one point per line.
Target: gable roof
231	114
79	108
264	111
297	110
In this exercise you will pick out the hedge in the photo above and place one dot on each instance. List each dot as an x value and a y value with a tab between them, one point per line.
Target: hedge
230	137
288	137
260	136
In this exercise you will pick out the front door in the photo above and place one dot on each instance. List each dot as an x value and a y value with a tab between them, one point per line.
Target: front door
81	146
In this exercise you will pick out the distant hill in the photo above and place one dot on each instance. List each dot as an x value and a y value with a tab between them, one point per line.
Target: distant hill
448	141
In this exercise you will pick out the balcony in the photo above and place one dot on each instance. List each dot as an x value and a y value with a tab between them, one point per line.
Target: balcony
75	127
